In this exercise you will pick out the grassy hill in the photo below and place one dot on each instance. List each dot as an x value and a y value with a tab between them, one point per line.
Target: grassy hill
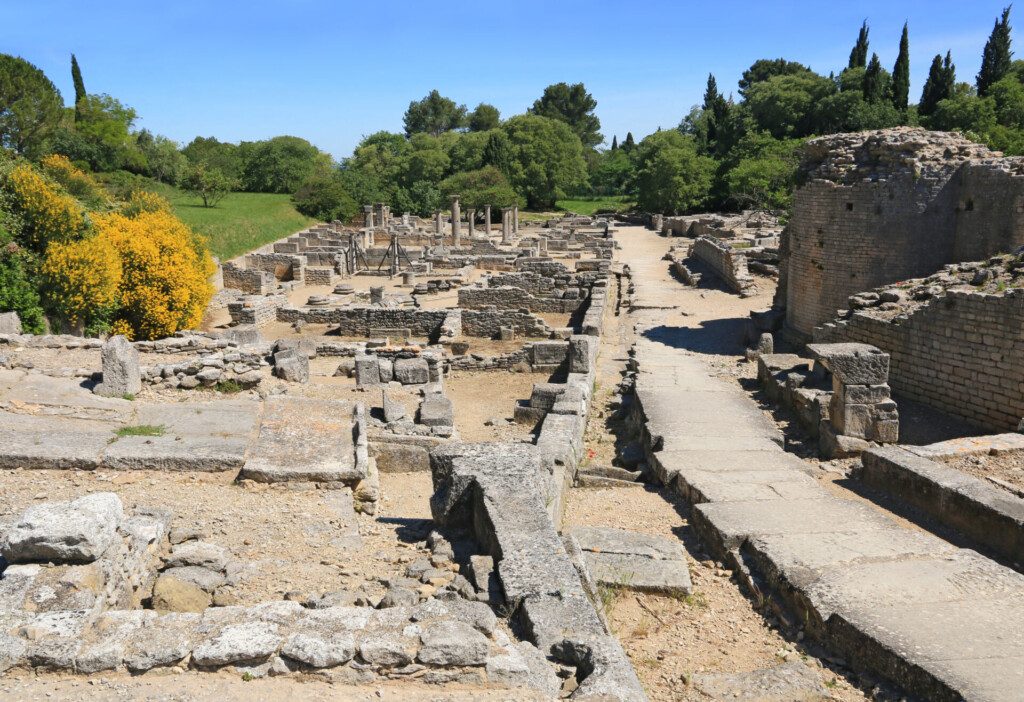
240	222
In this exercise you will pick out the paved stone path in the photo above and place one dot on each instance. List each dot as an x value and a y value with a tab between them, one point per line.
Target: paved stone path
942	622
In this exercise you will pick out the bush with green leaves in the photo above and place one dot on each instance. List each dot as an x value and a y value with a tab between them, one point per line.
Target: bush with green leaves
323	196
671	176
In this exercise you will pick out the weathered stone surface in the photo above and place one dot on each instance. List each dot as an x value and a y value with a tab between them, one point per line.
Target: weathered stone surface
65	532
10	323
292	364
235	643
634	560
201	554
523	665
367	370
172	594
436	410
412	371
121	374
853	364
790	682
320	652
394	409
304	439
386	649
451	643
203	578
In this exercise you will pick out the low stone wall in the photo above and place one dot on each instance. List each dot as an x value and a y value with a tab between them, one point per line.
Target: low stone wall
961	352
488	490
283	266
983	512
256	311
508	297
729	264
320	275
489	322
250	281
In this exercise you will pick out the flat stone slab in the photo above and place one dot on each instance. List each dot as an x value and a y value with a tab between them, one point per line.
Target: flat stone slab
52	443
65	397
790	682
209	436
638	561
304	439
748	485
971	446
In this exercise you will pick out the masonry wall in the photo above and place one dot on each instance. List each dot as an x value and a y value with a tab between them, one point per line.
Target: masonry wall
962	353
729	264
989	211
251	281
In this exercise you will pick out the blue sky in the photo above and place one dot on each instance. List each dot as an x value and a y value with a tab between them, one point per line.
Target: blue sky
333	72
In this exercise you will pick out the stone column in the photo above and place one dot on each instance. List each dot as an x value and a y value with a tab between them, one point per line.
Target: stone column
376	294
405	219
487	219
385	215
506	225
470	216
456	223
515	219
368	214
438	227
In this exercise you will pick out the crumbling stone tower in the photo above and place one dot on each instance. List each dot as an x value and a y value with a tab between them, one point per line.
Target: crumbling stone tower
884	206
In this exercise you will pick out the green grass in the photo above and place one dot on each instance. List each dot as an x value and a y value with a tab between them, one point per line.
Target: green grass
141	430
240	222
590	205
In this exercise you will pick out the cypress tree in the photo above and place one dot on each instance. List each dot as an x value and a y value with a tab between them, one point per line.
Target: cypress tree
995	59
628	144
901	73
859	54
932	86
615	143
948	77
76	78
874	89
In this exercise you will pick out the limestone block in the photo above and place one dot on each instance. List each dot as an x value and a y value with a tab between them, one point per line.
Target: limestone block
292	364
121	374
394	409
582	351
412	371
367	370
65	532
452	643
550	353
436	410
859	394
171	594
10	323
853	364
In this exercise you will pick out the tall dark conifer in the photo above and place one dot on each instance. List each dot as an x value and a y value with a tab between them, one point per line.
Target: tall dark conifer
874	88
76	78
901	73
859	54
615	143
995	59
628	144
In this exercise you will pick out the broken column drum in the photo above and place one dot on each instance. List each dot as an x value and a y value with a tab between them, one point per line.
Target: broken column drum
456	223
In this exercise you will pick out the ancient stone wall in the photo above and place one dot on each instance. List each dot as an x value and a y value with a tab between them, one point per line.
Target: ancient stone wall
961	352
890	205
729	264
488	323
283	266
252	281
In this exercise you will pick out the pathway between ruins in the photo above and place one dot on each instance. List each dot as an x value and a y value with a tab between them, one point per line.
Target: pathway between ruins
943	622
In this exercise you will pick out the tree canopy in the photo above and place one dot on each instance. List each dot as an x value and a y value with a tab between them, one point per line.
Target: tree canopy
30	106
434	114
573	105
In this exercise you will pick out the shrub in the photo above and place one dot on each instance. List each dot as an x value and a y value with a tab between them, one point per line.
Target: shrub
81	280
139	201
165	272
76	181
323	196
17	291
46	212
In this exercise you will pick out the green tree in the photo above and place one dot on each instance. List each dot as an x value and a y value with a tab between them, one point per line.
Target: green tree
18	289
163	159
848	111
901	73
434	115
222	155
628	144
486	186
1008	95
859	53
466	150
716	109
671	177
786	105
427	160
763	69
573	105
547	159
995	58
612	172
939	85
965	112
76	78
30	106
281	164
484	118
323	196
499	153
208	184
875	83
102	136
615	143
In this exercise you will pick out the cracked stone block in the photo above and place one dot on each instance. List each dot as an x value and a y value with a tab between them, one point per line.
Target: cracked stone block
320	651
367	370
235	643
292	364
452	643
436	410
412	371
853	364
65	532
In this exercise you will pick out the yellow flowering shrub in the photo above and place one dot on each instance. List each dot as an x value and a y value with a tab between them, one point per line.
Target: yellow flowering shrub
165	271
82	277
47	213
140	201
76	181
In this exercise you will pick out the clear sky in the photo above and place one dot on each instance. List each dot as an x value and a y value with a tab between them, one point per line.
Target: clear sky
332	72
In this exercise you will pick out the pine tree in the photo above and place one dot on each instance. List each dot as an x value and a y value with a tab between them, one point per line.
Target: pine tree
715	109
948	77
940	84
995	59
859	54
874	88
901	73
76	77
615	143
628	145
